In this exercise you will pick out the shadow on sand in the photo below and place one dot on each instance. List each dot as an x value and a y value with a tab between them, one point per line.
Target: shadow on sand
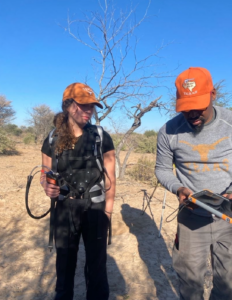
153	251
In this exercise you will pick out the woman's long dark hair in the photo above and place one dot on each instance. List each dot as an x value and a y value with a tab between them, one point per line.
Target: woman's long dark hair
66	138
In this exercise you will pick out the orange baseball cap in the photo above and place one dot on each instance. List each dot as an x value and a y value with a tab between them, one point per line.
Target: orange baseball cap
193	87
80	93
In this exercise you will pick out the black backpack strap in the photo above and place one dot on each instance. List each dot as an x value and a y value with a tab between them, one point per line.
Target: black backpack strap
51	138
100	132
110	232
52	222
101	165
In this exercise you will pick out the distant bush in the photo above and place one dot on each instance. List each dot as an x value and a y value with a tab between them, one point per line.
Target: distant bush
6	145
149	133
30	129
29	139
143	171
116	140
26	129
143	143
13	129
146	144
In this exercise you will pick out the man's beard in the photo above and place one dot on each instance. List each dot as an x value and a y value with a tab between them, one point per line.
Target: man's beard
198	128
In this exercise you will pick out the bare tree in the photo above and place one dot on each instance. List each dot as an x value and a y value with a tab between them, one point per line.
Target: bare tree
6	111
123	76
129	143
41	118
223	98
136	115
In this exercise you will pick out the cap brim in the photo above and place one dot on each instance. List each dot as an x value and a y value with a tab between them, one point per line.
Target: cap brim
86	101
193	103
91	102
98	104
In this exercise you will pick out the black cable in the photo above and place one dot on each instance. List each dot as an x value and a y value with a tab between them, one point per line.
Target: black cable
29	180
178	208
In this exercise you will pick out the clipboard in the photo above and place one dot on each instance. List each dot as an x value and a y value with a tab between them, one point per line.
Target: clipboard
206	197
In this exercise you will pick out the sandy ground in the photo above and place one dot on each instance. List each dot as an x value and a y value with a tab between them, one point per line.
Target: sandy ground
139	261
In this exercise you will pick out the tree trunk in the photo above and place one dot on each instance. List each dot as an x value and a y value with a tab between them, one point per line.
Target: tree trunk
123	168
117	168
137	116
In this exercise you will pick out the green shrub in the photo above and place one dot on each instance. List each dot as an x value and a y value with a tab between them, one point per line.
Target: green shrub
146	144
13	129
149	133
29	139
116	140
7	146
143	171
143	143
29	129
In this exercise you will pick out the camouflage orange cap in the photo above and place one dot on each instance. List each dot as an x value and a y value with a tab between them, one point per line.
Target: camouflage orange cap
193	87
81	93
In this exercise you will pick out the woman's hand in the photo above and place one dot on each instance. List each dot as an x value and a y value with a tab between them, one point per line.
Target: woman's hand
108	214
51	190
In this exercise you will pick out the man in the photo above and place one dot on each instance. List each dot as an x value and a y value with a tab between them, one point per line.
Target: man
199	142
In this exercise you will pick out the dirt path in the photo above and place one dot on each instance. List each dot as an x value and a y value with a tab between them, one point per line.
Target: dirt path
139	262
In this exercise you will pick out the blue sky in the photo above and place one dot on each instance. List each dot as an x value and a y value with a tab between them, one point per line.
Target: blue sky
38	58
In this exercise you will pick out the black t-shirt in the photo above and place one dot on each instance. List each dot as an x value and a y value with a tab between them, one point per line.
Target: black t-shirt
107	144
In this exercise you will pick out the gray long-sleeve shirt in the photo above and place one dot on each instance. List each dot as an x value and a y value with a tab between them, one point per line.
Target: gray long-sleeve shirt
202	161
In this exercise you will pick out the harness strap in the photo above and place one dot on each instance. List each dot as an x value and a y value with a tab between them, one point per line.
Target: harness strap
52	221
110	232
91	184
53	200
54	156
100	132
71	221
84	158
50	136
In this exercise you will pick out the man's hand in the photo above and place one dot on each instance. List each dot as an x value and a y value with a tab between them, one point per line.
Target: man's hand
228	196
183	194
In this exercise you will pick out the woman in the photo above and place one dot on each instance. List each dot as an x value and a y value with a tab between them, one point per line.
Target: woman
88	192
